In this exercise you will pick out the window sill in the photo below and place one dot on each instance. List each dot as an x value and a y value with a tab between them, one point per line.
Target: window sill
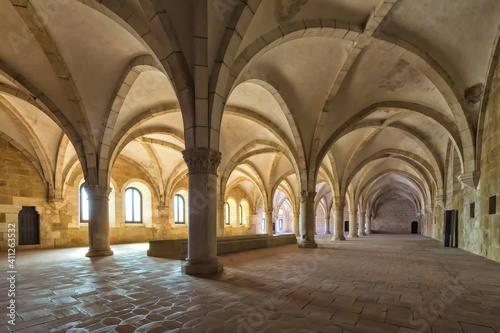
134	225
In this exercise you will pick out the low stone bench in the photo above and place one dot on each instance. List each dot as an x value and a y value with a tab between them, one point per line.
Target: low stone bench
178	248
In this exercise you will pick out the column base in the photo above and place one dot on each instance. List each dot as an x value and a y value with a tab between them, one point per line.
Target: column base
338	238
309	245
362	234
195	267
99	253
353	236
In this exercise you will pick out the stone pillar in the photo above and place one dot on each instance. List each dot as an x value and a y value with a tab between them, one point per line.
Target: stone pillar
220	218
338	222
353	224
98	197
296	223
327	221
307	220
368	223
361	221
202	241
269	221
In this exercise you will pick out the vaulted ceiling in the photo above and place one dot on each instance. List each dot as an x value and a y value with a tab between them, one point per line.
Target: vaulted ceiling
370	97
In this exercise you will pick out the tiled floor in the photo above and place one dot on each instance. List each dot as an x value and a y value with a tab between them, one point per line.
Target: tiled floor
379	283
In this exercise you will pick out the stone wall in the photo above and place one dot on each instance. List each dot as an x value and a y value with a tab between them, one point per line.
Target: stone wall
395	216
21	185
479	234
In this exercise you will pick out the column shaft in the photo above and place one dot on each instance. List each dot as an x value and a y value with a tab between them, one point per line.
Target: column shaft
307	220
220	219
202	184
368	223
353	224
269	221
338	222
98	197
361	221
327	222
296	223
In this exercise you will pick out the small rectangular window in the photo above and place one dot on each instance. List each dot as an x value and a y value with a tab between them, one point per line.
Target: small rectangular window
472	209
493	205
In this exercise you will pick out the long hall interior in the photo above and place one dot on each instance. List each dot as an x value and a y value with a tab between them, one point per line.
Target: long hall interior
250	165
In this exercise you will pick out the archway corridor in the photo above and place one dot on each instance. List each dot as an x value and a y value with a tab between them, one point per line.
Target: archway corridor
379	284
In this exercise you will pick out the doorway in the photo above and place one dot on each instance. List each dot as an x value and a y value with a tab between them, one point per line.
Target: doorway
414	227
28	224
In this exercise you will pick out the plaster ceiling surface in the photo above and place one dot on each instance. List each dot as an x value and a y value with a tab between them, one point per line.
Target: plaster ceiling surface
95	59
327	164
241	178
273	13
388	180
253	97
151	88
233	138
378	76
165	138
346	147
137	153
167	121
458	34
26	57
9	127
304	69
378	168
292	180
282	167
262	164
69	154
168	159
43	127
374	176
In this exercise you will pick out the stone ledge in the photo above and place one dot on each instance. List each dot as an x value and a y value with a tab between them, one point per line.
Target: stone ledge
178	248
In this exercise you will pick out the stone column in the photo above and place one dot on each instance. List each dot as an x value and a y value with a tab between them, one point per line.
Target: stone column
202	241
368	223
338	222
220	218
307	220
361	221
353	224
269	221
98	197
296	223
327	221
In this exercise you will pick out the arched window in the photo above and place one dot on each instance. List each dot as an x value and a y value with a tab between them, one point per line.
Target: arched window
241	215
84	206
133	205
179	209
227	213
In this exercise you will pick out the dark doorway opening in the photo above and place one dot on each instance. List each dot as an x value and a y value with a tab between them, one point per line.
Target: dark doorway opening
346	225
29	225
414	227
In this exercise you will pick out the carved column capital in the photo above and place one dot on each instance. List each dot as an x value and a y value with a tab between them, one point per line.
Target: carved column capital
202	160
97	191
303	196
